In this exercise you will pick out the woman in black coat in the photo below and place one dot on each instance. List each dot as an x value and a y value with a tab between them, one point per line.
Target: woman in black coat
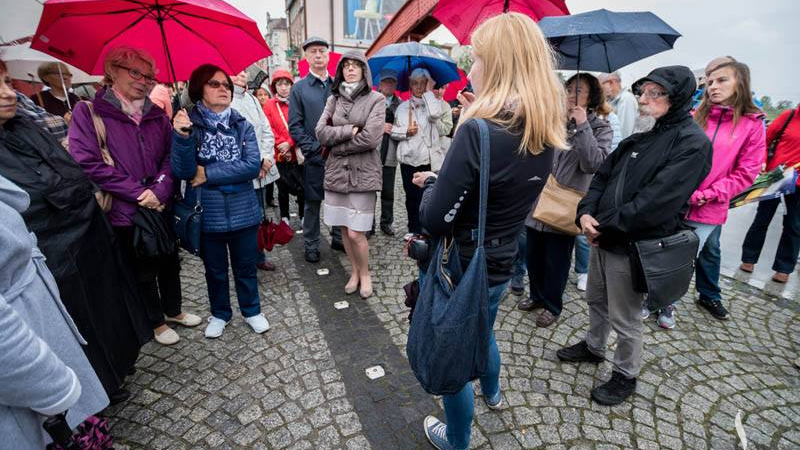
78	242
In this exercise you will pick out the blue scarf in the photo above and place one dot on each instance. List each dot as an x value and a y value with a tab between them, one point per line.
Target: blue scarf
219	143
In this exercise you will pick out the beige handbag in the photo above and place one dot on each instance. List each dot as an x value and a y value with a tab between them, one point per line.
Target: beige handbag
557	207
104	199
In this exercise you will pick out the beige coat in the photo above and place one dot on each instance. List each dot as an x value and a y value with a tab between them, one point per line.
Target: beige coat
354	162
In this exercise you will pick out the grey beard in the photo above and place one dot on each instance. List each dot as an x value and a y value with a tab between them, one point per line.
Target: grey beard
643	124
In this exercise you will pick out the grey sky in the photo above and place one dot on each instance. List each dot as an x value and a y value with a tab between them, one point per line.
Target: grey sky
761	34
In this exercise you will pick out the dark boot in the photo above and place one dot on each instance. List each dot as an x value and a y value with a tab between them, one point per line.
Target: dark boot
579	353
614	391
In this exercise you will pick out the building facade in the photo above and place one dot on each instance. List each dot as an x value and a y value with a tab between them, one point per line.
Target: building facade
277	38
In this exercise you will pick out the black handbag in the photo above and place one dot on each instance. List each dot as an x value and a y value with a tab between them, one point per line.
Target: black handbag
152	235
188	223
291	177
666	264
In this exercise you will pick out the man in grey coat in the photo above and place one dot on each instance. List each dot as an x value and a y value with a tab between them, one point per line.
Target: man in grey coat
43	371
306	102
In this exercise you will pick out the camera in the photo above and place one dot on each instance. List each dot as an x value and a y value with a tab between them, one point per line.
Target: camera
418	247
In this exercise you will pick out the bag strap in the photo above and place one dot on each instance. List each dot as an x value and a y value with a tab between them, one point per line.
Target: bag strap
280	113
100	133
773	144
485	152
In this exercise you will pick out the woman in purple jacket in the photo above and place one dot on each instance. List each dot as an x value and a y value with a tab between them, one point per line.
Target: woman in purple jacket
138	135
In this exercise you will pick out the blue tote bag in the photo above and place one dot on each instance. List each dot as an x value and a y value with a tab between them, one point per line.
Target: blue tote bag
448	342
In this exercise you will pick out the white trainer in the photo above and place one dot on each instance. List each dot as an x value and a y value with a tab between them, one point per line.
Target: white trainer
215	327
582	279
258	323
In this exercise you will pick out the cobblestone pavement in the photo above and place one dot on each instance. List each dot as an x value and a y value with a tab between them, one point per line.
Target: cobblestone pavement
302	385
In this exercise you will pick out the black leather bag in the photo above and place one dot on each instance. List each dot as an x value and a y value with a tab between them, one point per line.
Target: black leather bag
188	223
666	264
152	235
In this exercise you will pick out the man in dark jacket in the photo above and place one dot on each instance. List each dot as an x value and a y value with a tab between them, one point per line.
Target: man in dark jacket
306	102
388	87
653	173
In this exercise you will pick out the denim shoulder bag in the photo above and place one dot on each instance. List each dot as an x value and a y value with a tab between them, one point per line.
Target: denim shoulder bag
448	341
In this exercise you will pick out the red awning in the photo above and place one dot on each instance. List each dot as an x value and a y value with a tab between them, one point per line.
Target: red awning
411	22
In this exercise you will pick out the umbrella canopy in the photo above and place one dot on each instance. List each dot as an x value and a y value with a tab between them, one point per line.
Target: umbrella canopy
604	41
180	34
23	62
302	66
404	58
462	19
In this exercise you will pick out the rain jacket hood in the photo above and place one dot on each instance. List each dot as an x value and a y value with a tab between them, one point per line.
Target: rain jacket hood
279	74
680	84
338	79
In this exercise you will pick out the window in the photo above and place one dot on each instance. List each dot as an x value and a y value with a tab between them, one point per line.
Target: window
365	19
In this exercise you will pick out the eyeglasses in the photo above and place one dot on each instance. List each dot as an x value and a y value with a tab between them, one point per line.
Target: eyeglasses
351	65
137	75
652	94
216	84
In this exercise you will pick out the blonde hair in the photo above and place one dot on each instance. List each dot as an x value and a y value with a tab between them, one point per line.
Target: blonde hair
124	56
520	89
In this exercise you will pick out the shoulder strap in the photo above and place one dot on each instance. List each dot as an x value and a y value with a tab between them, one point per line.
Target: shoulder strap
100	133
485	152
280	113
773	144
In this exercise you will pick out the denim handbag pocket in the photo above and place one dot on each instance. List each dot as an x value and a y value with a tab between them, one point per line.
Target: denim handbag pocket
448	341
188	223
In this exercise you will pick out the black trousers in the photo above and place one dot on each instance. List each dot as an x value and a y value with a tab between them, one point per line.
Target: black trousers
549	256
283	200
789	244
158	279
413	195
387	196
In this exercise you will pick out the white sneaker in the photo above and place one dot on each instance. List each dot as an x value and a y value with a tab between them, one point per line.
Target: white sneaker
215	327
258	323
582	279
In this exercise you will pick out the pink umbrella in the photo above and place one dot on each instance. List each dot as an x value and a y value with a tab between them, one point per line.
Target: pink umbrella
180	34
302	66
462	21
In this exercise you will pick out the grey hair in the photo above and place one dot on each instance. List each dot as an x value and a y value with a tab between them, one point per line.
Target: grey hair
420	72
124	56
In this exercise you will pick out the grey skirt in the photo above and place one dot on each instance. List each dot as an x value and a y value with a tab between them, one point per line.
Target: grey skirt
355	210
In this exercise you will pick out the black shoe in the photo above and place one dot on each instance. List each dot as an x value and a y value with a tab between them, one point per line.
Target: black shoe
312	256
517	290
614	391
387	230
527	304
337	245
119	396
369	234
132	371
714	307
579	353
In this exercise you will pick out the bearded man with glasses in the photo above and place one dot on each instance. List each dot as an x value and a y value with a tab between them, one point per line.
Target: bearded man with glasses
640	192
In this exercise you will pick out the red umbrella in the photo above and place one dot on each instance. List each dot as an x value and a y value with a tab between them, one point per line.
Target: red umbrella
302	66
180	34
451	92
462	21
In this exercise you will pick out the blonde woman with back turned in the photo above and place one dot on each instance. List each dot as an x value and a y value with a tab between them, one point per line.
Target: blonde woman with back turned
511	84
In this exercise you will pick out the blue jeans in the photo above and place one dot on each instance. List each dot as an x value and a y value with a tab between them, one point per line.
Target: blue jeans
459	408
520	267
581	254
707	268
242	246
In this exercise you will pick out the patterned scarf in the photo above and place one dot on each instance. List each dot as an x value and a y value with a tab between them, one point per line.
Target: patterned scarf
132	108
218	144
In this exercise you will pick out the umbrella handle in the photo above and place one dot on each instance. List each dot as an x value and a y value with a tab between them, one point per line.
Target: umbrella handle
63	86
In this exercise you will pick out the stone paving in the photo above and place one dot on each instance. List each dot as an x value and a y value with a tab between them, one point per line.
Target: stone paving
302	384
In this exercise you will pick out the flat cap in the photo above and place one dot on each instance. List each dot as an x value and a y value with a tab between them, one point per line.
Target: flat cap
315	40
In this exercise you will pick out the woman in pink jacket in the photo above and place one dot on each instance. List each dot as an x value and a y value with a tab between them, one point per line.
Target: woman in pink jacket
736	129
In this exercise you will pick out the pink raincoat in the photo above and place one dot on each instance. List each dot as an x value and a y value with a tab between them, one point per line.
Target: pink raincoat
738	155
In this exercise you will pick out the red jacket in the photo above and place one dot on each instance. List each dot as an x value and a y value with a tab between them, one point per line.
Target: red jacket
279	128
788	151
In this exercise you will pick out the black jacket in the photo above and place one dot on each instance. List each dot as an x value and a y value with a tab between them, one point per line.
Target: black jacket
306	102
450	202
387	138
665	165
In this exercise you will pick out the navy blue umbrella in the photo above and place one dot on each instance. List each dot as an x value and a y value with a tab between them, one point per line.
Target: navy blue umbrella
604	41
404	58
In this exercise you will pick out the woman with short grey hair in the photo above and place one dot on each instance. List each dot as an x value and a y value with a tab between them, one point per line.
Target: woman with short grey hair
415	130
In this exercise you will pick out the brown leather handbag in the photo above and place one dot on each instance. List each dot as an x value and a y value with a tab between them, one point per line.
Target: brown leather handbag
557	207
